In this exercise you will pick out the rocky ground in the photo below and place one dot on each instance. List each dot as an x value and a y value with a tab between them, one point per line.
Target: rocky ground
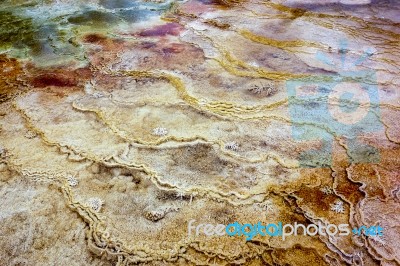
120	121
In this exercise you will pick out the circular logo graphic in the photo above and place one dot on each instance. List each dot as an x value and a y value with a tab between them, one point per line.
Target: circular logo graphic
348	103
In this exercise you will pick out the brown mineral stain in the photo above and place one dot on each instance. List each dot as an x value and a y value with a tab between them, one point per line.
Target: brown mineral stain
162	30
60	82
343	188
10	70
94	38
315	200
217	24
108	44
365	173
221	3
53	79
174	48
347	188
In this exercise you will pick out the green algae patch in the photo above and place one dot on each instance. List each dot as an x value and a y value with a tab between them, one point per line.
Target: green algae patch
93	18
17	32
111	4
25	37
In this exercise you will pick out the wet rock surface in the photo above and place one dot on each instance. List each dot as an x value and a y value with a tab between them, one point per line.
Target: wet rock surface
121	121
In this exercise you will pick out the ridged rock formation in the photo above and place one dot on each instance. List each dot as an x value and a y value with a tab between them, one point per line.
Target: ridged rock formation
121	121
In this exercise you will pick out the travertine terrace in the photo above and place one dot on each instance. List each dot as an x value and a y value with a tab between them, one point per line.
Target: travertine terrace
120	121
